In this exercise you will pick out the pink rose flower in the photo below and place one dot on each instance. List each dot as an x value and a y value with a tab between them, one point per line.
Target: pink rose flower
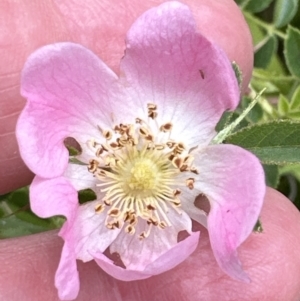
145	137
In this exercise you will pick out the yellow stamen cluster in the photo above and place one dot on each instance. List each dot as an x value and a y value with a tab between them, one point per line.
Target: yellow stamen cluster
139	174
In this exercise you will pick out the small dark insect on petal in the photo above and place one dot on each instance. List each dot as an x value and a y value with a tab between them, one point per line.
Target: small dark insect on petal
202	74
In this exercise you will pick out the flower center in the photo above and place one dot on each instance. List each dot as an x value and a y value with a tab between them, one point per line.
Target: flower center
140	173
142	176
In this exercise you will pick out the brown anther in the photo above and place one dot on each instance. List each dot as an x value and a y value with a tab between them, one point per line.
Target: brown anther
107	135
130	230
115	212
117	129
166	127
171	157
138	120
122	141
151	106
123	128
99	151
162	225
93	165
99	208
190	183
159	146
102	172
109	226
133	221
93	143
194	170
152	114
152	221
176	192
143	131
105	149
179	148
176	202
116	224
187	158
107	202
128	216
143	235
183	167
170	144
177	162
149	137
150	207
114	145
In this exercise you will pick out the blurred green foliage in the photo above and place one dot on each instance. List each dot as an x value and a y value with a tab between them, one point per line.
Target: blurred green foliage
274	135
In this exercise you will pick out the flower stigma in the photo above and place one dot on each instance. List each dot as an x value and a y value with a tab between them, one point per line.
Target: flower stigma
140	169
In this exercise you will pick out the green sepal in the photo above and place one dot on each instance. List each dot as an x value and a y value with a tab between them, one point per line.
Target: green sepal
258	227
86	195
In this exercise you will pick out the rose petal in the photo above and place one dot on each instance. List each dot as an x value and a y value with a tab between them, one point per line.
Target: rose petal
233	181
141	253
49	197
165	262
189	78
66	277
187	198
80	178
89	233
69	91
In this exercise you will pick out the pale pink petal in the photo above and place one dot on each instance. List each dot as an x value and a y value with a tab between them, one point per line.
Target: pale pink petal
80	177
66	277
137	254
233	181
168	260
89	233
189	78
49	197
69	92
187	198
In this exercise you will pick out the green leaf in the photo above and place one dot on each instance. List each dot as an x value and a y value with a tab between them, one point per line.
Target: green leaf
273	82
292	50
283	105
4	197
272	175
292	169
284	12
290	187
238	73
256	6
256	112
72	146
86	195
275	142
295	102
263	55
18	202
294	115
241	2
229	117
13	227
258	227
